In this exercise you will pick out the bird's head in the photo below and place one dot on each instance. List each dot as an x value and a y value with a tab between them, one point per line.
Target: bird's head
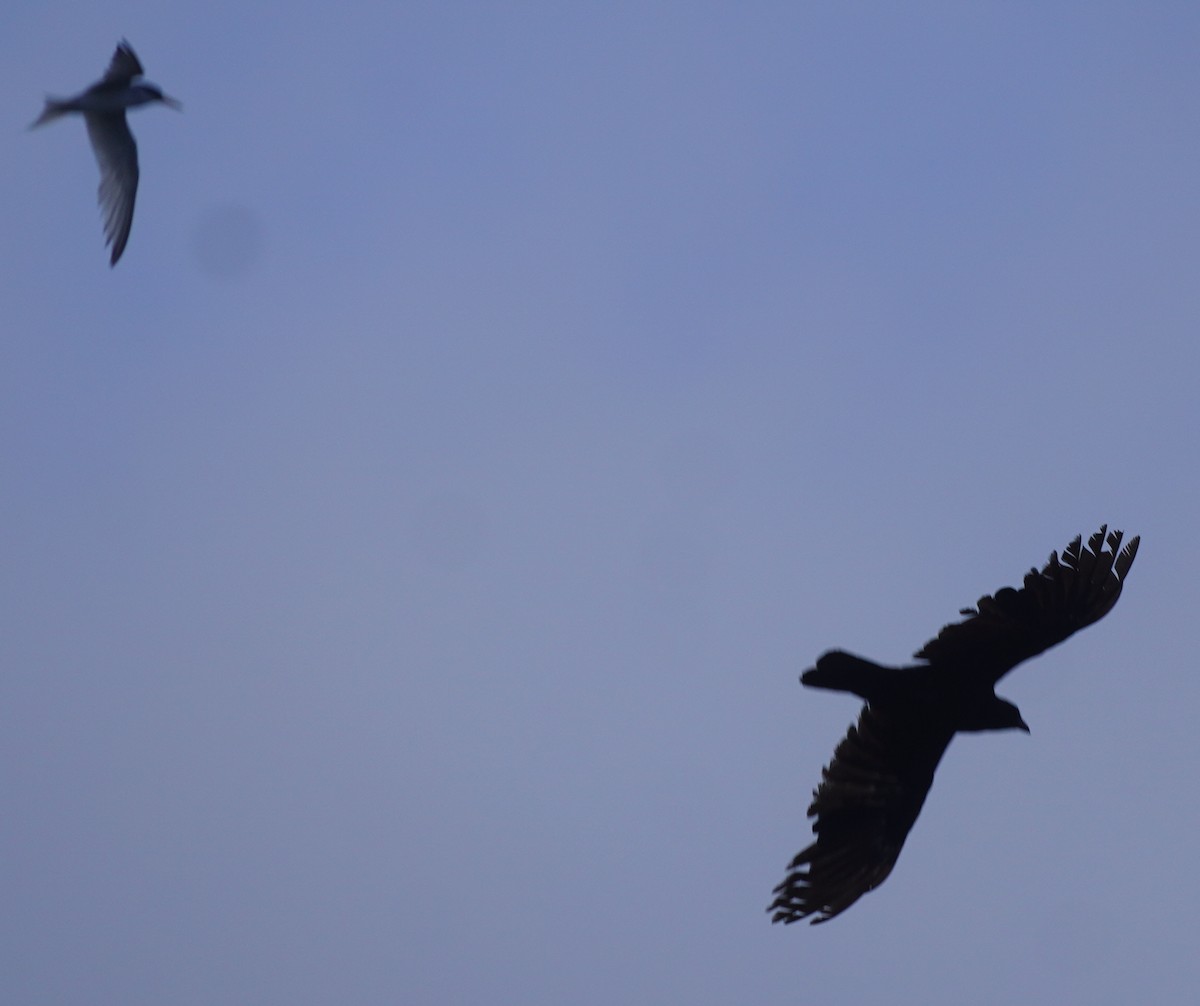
996	714
144	94
1009	717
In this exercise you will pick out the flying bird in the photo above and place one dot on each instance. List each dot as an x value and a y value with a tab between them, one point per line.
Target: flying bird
871	793
103	106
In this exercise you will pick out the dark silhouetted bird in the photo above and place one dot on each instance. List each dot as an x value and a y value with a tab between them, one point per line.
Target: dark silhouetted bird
103	106
872	791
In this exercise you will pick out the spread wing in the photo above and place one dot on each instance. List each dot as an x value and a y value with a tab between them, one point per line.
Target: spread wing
124	65
868	799
116	154
1015	624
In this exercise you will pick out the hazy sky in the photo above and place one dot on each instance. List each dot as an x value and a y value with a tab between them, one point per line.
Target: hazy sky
411	547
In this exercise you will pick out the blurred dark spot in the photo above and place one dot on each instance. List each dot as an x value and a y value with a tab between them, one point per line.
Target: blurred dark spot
227	241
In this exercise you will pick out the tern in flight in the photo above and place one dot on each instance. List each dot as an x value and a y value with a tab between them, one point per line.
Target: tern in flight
103	106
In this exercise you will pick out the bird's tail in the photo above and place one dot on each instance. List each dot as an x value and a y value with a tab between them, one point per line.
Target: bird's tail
54	109
844	672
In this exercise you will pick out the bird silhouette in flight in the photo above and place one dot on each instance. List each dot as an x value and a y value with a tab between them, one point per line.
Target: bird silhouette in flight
103	108
871	793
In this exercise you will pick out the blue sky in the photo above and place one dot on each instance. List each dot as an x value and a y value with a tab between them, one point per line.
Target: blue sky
412	545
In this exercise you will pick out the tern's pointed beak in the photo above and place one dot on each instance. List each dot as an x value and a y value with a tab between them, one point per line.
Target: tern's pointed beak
172	103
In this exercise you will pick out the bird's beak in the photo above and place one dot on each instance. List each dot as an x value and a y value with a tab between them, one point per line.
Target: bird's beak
172	103
1024	726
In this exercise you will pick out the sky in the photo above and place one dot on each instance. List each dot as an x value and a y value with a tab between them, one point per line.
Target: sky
411	547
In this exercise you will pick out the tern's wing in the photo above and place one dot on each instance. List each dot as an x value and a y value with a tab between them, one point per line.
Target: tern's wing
124	66
116	153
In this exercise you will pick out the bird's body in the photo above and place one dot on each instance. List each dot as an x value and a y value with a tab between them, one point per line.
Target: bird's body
103	106
872	792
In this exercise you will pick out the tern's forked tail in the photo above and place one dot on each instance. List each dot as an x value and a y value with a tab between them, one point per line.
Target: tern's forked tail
54	109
